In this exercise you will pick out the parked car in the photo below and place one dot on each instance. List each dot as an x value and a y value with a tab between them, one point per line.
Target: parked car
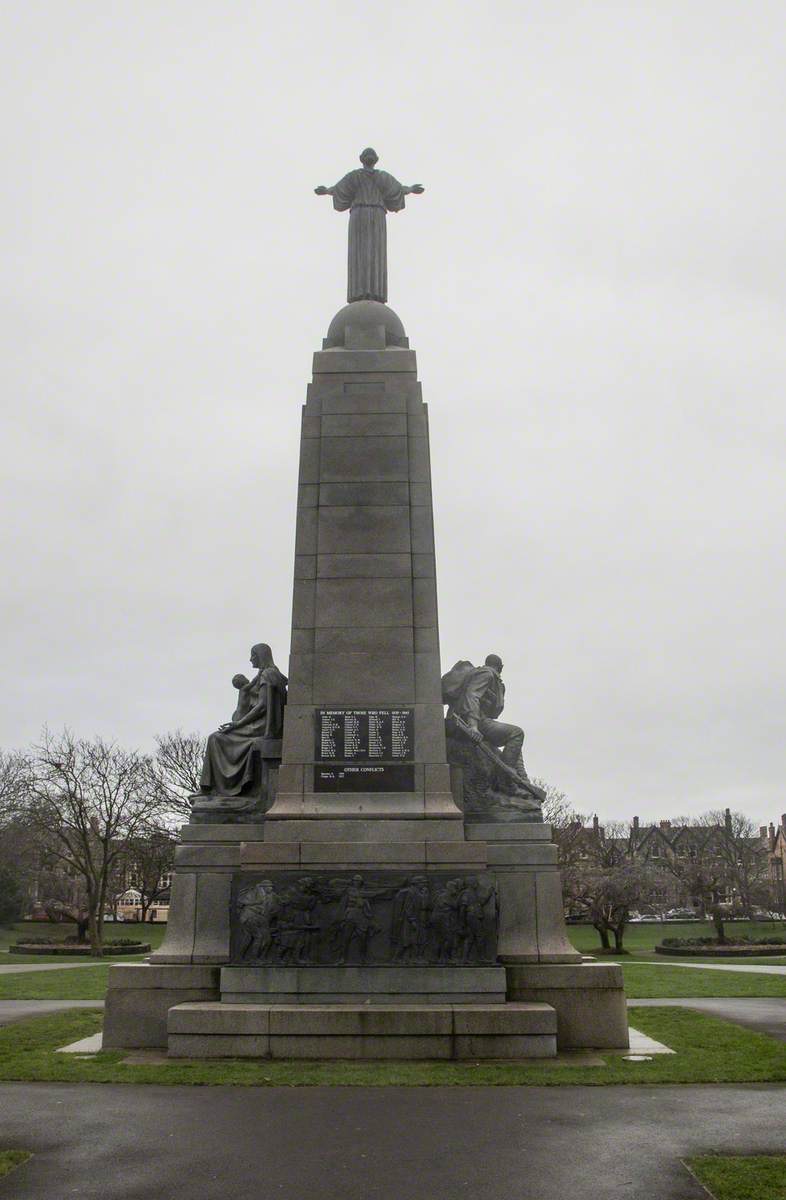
681	914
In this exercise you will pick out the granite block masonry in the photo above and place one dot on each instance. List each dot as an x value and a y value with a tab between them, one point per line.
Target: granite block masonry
364	730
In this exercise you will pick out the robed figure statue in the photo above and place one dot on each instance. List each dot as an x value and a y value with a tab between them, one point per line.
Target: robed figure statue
368	194
241	756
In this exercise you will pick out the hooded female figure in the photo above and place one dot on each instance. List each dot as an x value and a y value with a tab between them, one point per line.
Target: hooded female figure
368	194
234	759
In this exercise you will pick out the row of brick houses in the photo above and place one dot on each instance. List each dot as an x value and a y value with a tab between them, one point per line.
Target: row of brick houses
745	869
775	839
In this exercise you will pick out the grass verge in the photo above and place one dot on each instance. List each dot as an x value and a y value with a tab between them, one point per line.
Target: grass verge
642	939
708	1051
12	1158
751	1177
75	983
9	934
643	982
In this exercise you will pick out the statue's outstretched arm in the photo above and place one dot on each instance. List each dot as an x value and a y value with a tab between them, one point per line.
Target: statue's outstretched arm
417	189
323	191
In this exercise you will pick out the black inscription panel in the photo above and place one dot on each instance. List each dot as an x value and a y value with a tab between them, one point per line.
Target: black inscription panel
290	918
367	749
381	777
364	735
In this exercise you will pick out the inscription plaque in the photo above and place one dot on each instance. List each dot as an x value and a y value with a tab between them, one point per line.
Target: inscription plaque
364	734
368	749
371	917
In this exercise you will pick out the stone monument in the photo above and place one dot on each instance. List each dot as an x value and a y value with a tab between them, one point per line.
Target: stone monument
359	878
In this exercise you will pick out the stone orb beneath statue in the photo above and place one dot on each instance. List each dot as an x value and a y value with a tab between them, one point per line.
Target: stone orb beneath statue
366	325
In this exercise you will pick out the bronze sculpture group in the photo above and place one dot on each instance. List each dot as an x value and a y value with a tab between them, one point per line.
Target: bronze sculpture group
309	921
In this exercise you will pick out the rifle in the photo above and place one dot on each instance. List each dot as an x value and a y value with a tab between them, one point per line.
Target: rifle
494	756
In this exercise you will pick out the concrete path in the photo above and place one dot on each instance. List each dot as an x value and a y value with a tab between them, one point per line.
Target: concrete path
765	1015
17	1010
758	969
499	1143
24	968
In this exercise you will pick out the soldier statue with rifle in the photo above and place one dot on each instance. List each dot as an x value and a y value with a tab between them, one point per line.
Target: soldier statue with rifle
476	697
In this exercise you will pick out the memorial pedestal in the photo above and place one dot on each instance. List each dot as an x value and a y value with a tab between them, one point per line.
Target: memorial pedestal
360	918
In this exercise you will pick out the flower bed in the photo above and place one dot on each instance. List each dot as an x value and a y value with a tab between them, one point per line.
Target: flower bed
738	939
741	947
79	949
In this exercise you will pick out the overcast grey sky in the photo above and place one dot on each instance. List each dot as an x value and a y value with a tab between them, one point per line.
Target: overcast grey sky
593	282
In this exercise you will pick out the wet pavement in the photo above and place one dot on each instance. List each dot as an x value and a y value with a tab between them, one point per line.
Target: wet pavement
530	1143
765	1015
17	1010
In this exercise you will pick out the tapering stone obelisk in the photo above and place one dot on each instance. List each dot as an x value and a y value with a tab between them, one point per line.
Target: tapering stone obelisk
364	614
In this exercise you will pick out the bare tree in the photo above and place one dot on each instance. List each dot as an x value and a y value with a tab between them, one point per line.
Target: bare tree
557	809
149	861
19	851
604	882
12	770
85	799
743	860
177	767
567	830
611	893
699	864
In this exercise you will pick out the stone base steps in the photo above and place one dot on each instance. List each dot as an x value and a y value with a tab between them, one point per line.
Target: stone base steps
210	1029
359	986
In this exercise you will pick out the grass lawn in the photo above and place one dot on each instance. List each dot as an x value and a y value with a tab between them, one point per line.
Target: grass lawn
643	982
10	934
10	1159
641	940
708	1051
758	1177
77	983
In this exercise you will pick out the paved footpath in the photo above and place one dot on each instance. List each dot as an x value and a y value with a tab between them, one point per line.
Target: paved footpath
748	968
26	968
17	1010
136	1142
764	1014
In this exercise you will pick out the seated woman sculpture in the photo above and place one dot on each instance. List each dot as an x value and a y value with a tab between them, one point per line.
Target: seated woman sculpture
238	753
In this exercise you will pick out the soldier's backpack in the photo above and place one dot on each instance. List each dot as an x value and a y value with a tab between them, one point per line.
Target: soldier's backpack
453	681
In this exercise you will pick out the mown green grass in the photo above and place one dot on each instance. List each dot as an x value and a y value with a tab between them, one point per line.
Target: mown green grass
643	982
11	934
757	1177
75	983
12	1158
708	1050
641	940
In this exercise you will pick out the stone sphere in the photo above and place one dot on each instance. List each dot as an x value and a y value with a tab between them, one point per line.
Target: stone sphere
364	317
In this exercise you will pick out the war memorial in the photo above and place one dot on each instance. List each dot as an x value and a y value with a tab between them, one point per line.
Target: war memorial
365	875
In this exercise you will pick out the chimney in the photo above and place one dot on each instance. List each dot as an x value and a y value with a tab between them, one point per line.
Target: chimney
665	824
783	821
727	820
763	831
595	825
772	835
635	824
